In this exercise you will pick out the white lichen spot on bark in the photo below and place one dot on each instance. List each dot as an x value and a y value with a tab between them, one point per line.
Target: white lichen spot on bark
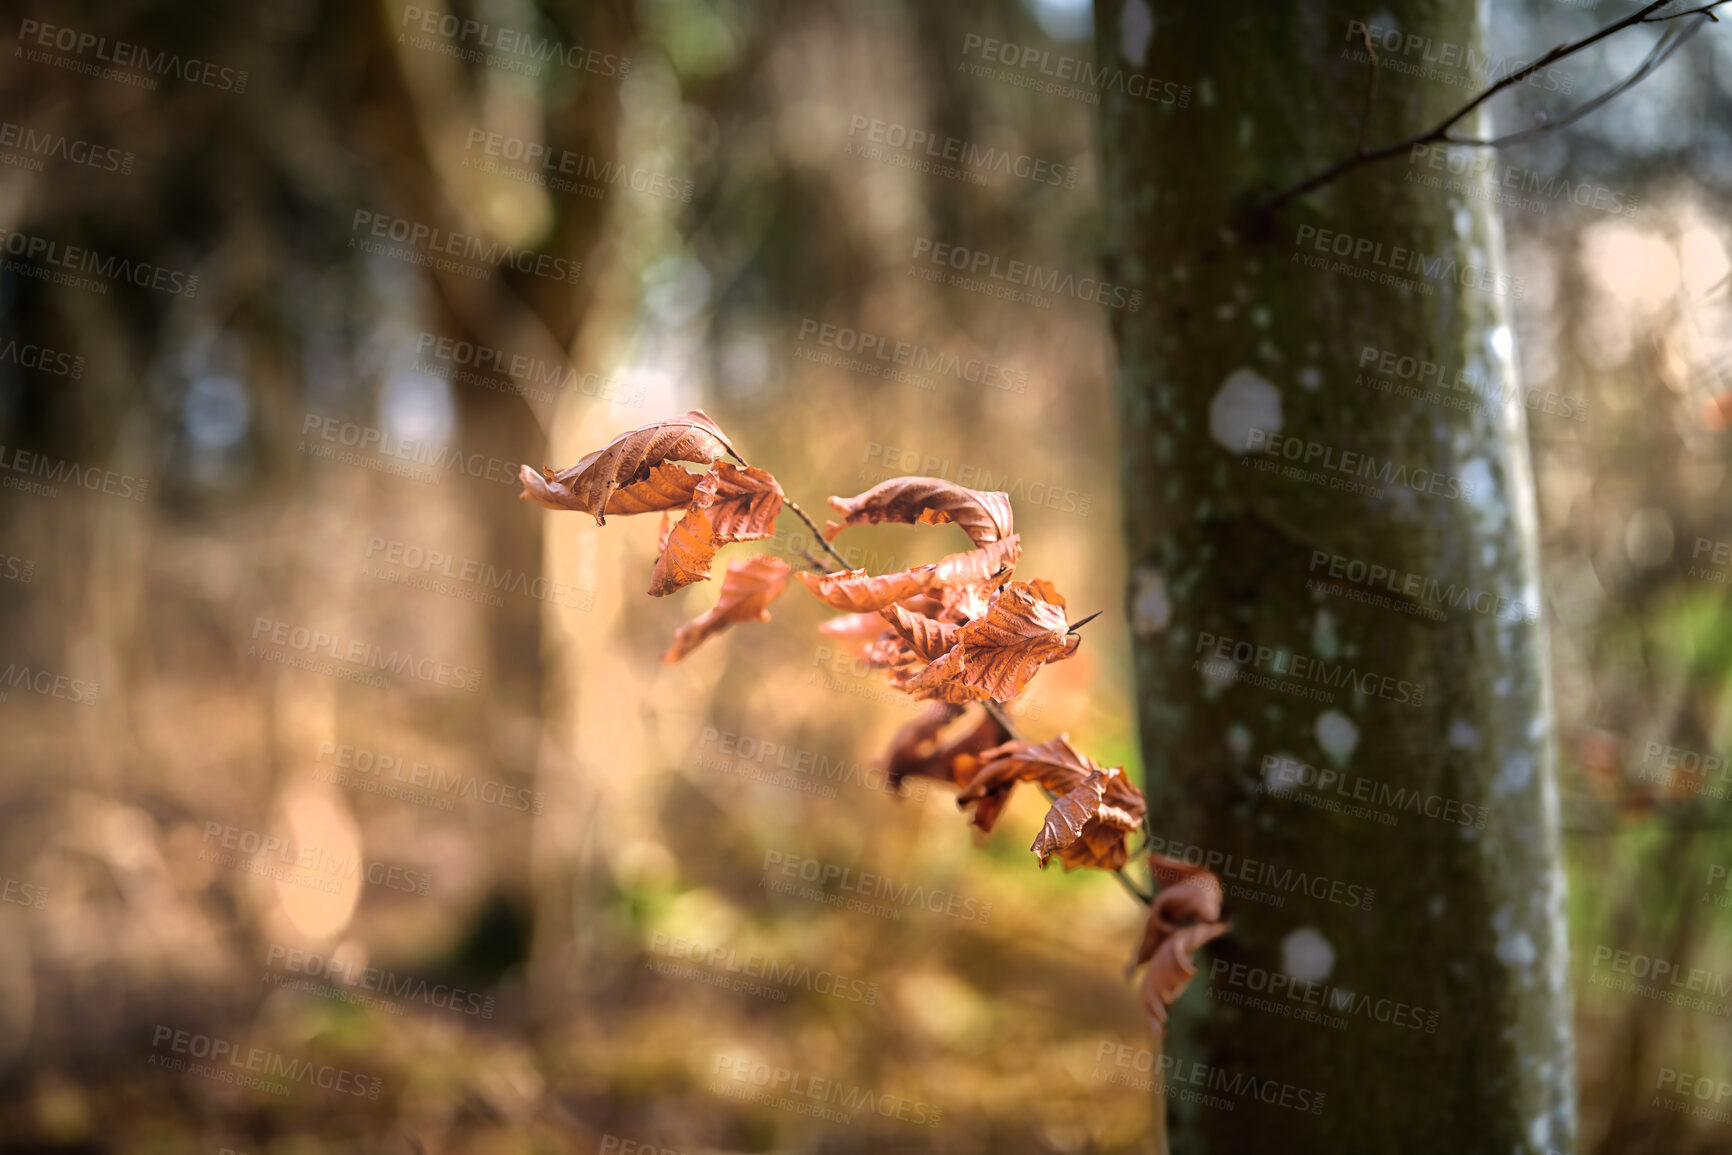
1306	956
1310	378
1514	775
1463	735
1245	401
1337	735
1151	609
1324	639
1515	946
1239	741
1136	29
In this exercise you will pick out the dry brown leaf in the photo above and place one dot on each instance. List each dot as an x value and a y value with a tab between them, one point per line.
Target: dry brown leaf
1069	813
627	460
1087	826
997	653
748	588
989	565
927	637
1047	591
686	553
854	628
1186	894
1054	764
985	517
859	592
665	487
746	502
919	751
1172	969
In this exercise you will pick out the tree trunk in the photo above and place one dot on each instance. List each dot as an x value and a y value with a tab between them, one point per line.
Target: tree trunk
1260	454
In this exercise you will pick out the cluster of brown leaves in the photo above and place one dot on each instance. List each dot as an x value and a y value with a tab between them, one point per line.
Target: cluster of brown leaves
960	632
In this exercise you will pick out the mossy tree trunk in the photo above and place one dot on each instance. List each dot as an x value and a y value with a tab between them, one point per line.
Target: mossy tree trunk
1241	343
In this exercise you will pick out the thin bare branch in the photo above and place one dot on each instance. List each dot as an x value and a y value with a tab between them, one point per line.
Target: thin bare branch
1440	132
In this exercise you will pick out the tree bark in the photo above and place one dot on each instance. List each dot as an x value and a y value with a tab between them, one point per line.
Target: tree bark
1240	341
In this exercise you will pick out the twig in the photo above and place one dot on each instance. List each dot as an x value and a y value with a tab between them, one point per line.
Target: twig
816	536
1440	134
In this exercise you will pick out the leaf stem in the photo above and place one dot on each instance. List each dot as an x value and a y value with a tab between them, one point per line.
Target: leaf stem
816	536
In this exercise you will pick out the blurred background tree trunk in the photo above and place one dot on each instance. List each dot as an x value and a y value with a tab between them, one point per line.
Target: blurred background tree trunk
1238	334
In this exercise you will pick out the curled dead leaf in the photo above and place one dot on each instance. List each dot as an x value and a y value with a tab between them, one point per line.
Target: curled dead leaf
1186	894
686	553
996	654
927	637
1172	968
746	502
985	517
1054	764
748	588
859	592
1088	825
920	750
626	461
